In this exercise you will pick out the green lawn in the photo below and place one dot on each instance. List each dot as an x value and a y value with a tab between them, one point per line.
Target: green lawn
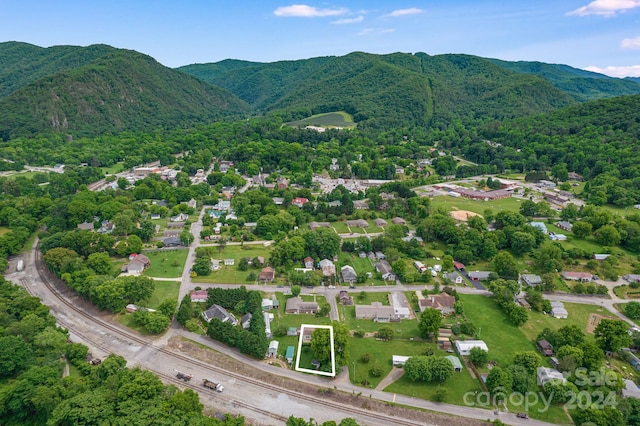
452	203
166	264
626	292
231	274
361	266
164	290
340	227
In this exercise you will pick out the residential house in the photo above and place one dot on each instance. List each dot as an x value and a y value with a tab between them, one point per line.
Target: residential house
172	242
106	227
357	223
380	222
565	226
328	267
348	274
215	264
295	305
540	225
558	310
141	258
134	267
442	302
632	278
400	306
376	311
278	201
267	304
630	389
268	317
361	204
345	299
546	375
192	203
308	262
199	296
315	225
464	346
557	237
380	255
454	277
458	265
531	279
246	320
371	255
86	226
267	274
600	256
260	260
545	347
182	217
217	311
575	176
419	266
385	270
479	275
362	255
336	203
577	276
299	201
399	221
154	216
399	360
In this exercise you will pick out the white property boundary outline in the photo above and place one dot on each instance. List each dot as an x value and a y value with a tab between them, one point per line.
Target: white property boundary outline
333	355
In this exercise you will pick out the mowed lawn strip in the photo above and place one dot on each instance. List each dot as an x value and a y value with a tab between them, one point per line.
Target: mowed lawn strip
164	290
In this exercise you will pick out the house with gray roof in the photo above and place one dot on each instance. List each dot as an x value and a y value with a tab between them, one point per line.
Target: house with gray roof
217	311
348	274
531	279
479	275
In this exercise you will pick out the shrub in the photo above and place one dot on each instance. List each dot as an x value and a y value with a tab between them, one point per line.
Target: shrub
376	370
365	358
358	333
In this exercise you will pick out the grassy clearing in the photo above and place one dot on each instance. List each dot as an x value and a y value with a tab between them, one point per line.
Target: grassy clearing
626	292
361	266
329	119
166	264
453	203
578	315
340	227
164	290
231	274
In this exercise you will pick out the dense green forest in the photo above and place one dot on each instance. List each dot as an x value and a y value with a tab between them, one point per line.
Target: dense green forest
34	390
118	90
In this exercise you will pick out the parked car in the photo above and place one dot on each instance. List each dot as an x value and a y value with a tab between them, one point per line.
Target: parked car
522	415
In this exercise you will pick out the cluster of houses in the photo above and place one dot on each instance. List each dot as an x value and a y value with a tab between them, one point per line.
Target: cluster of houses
137	264
397	310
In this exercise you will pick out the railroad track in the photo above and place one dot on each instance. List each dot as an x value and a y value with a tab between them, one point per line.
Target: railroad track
45	276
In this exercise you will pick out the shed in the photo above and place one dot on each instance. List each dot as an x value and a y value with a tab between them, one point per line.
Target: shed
455	361
289	354
273	348
399	360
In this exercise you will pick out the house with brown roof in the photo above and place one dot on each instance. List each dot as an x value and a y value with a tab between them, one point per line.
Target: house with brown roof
385	270
315	225
442	302
345	299
357	223
308	262
328	268
267	274
399	221
380	222
545	347
295	305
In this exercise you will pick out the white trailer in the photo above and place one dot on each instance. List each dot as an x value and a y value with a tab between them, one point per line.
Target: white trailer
20	266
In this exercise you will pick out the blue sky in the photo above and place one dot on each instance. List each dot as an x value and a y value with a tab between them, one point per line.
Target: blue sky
600	35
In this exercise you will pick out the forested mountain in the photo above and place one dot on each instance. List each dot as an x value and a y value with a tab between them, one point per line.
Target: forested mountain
597	139
119	90
584	85
634	79
386	90
23	63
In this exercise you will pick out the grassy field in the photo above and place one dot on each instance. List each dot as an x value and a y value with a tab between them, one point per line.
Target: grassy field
330	119
578	315
340	227
361	266
231	274
457	385
164	290
166	264
626	292
453	203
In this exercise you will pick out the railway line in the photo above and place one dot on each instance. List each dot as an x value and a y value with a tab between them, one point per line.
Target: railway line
52	287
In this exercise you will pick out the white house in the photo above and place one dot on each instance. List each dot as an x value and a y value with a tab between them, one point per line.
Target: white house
546	375
464	346
399	360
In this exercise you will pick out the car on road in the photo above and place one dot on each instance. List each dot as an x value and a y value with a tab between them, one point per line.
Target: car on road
522	415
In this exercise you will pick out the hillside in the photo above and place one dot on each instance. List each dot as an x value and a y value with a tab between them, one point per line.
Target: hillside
386	90
584	85
121	90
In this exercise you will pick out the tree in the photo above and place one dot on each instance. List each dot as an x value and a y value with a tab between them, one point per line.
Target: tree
167	307
529	360
499	382
186	238
478	356
548	257
521	379
430	321
582	229
612	335
321	345
202	266
527	208
569	357
441	369
632	310
385	333
185	311
323	243
295	290
15	355
100	263
608	235
518	315
505	265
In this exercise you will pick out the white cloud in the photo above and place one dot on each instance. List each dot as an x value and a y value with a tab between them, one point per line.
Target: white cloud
620	72
349	20
374	31
305	11
606	8
404	12
630	43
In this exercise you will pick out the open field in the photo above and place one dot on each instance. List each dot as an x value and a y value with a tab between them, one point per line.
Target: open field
231	274
164	290
459	203
166	264
330	119
626	292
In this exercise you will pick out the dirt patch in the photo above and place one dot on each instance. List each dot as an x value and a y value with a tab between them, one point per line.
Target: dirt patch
463	215
594	320
420	417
